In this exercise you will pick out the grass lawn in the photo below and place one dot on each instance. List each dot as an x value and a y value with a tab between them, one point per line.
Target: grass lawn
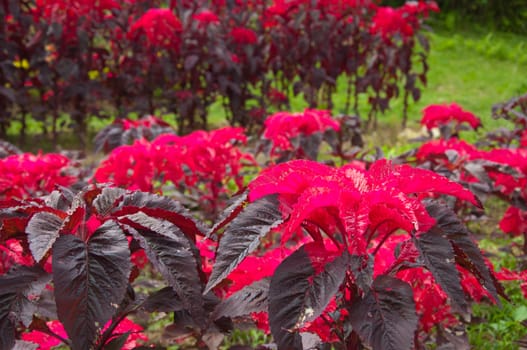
474	70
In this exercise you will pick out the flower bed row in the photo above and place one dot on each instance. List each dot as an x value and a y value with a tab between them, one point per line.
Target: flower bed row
372	252
111	58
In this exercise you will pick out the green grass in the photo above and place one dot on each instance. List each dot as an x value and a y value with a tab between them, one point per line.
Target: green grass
474	70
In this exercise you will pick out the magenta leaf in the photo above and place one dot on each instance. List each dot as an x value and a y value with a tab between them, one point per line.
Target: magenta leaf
243	236
90	281
42	231
439	258
300	291
252	298
16	305
385	318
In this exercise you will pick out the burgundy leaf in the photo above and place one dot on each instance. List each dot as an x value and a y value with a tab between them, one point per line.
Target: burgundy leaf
16	289
466	251
385	318
90	281
253	298
301	288
7	323
174	255
243	235
117	343
106	200
361	267
233	209
158	206
60	200
42	231
439	258
165	300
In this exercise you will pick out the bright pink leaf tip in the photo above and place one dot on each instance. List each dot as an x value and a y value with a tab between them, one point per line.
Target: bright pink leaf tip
436	115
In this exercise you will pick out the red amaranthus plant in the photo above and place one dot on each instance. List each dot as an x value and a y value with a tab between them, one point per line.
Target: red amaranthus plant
125	131
80	267
348	214
298	135
449	118
160	26
27	175
46	341
201	164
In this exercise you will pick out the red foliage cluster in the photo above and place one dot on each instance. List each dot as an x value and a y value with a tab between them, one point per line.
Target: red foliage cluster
160	26
389	21
507	182
355	202
212	159
74	16
28	175
48	342
306	248
438	115
282	127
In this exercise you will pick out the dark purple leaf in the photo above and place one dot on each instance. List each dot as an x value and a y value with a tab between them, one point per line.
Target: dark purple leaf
310	340
164	300
190	62
8	149
117	342
8	93
234	207
60	199
157	206
361	267
7	321
174	255
22	345
385	318
105	201
42	231
439	258
108	138
467	253
243	236
310	145
16	302
252	298
298	293
90	281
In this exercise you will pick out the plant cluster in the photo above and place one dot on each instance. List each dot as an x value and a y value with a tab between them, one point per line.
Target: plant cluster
63	63
371	253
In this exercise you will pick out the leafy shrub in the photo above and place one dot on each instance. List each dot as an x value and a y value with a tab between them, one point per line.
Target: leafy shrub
201	166
125	131
27	175
372	253
113	58
349	214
